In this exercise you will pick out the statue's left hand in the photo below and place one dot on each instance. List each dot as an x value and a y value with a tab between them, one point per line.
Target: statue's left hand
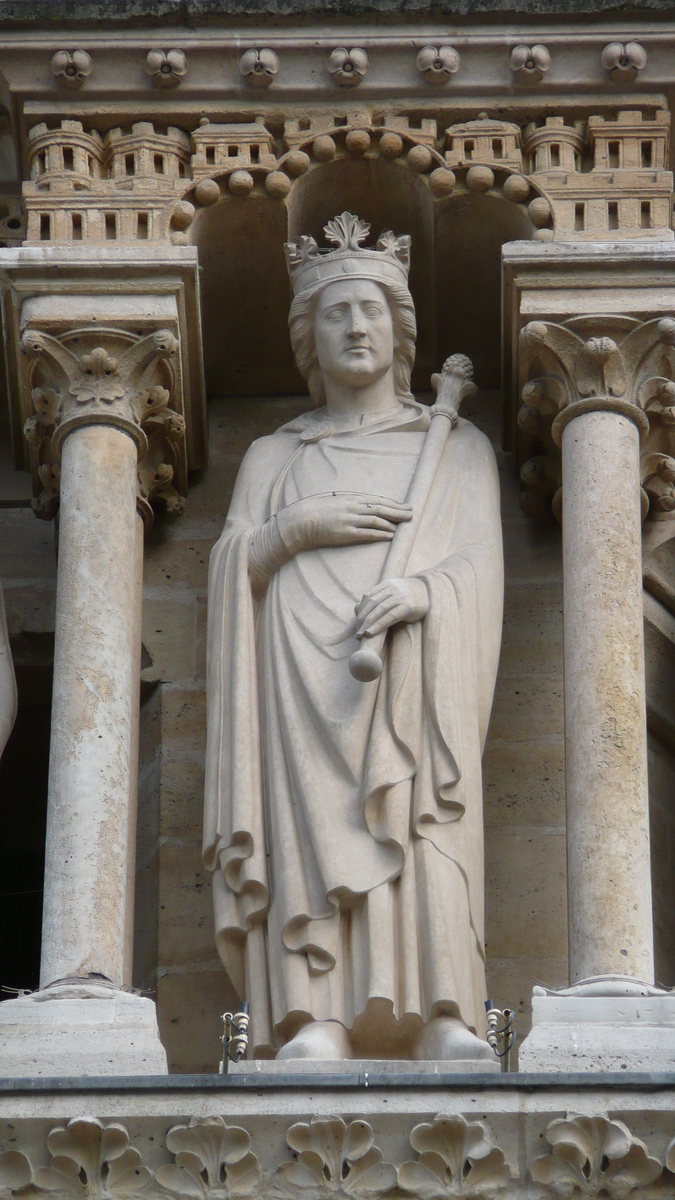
391	601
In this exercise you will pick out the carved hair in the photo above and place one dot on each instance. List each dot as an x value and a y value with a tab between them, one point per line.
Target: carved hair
301	325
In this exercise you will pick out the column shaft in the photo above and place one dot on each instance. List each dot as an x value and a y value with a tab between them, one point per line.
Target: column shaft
608	860
92	767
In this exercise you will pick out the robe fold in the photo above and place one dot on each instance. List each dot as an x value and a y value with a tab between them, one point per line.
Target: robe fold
343	821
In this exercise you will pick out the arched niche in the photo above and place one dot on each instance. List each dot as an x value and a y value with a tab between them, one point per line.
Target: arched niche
245	298
470	230
389	197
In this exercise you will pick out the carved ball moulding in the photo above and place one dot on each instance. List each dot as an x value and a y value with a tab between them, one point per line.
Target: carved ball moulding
442	182
166	69
348	67
480	179
71	68
259	67
623	62
240	183
438	63
529	63
516	188
296	163
324	148
277	185
420	159
357	142
207	192
391	145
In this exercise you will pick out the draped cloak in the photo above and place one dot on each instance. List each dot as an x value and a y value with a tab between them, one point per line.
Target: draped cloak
343	821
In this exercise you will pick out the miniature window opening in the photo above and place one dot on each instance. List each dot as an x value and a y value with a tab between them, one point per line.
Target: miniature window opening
614	154
130	164
142	227
340	121
645	214
450	143
303	123
77	227
647	154
159	164
90	164
45	227
612	215
577	162
469	148
555	156
41	162
68	159
110	226
232	151
255	154
211	156
181	169
497	148
579	216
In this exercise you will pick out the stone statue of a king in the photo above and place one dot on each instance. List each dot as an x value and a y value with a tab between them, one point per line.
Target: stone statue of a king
343	819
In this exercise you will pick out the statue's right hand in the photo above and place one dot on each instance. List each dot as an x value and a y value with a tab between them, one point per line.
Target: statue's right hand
339	519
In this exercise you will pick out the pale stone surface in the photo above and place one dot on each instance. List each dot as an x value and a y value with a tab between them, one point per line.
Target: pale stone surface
600	1033
279	555
398	1068
89	827
608	862
61	1032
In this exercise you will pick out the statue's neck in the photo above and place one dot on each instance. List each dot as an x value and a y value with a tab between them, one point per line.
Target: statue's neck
350	406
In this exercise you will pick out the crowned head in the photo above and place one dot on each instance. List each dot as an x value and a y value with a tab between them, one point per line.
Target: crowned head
381	270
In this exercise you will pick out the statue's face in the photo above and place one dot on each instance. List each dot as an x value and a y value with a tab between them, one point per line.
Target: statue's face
354	332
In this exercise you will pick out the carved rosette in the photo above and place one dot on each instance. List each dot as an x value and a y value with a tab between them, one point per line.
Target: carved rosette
92	376
628	367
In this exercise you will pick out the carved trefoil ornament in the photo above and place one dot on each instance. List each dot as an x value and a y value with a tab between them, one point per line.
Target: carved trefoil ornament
259	67
167	69
530	63
623	63
70	68
348	67
455	1158
213	1161
593	1156
334	1158
438	63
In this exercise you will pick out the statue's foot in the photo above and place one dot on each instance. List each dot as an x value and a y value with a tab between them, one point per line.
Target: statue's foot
448	1039
319	1039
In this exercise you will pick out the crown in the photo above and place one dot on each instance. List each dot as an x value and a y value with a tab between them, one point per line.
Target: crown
310	268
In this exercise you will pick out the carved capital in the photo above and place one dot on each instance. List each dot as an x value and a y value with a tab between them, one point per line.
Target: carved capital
615	364
111	376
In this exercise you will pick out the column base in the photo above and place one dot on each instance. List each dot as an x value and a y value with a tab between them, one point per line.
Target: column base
80	1028
608	1023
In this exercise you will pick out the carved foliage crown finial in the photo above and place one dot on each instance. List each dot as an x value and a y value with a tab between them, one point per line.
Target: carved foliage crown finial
347	231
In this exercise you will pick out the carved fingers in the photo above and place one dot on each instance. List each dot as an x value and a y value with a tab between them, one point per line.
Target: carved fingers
339	519
392	601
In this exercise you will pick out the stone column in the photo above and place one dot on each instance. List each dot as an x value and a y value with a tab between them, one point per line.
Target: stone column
103	430
89	847
608	859
606	399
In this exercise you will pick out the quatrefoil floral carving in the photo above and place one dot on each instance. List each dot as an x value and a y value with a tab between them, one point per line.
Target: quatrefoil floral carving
213	1160
91	1161
593	1156
456	1158
334	1159
97	378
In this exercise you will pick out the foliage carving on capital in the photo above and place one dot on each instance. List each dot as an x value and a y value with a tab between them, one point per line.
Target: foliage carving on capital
593	1156
456	1158
334	1159
104	376
615	363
